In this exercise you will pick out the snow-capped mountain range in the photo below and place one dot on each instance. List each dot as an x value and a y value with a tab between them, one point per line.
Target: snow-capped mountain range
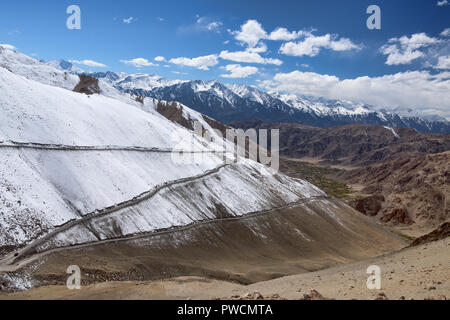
230	102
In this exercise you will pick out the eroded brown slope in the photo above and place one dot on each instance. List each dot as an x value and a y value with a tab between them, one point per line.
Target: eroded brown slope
415	190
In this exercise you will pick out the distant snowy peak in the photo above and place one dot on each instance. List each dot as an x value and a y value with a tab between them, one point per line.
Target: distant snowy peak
214	88
251	93
109	77
410	113
65	65
295	102
321	106
140	81
202	86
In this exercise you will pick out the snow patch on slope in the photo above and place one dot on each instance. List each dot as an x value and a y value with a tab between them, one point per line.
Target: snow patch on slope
393	132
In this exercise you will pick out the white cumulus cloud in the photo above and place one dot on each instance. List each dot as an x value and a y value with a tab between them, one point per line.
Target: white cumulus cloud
160	59
442	3
208	24
248	56
238	71
139	62
251	33
406	49
312	45
446	33
89	63
202	63
202	25
282	34
443	63
129	20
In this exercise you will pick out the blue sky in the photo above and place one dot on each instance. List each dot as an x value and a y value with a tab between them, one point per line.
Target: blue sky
323	40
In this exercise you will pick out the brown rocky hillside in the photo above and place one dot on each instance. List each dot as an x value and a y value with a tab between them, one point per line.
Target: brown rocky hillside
405	191
352	145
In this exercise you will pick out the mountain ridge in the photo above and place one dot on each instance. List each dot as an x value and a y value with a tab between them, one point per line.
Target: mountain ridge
231	102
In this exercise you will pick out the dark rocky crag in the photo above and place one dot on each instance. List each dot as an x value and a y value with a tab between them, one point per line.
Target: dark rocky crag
87	85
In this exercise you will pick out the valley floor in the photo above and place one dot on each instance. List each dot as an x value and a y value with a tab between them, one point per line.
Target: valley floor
415	273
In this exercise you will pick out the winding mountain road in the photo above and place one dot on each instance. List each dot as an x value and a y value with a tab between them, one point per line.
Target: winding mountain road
63	147
11	258
24	256
14	263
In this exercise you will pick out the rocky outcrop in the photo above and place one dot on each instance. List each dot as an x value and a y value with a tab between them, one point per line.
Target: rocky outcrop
381	296
396	215
314	295
440	233
369	206
254	296
174	112
415	189
87	85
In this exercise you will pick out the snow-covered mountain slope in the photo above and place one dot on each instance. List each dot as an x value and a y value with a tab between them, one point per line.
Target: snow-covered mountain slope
237	194
33	112
36	70
58	73
61	122
80	159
